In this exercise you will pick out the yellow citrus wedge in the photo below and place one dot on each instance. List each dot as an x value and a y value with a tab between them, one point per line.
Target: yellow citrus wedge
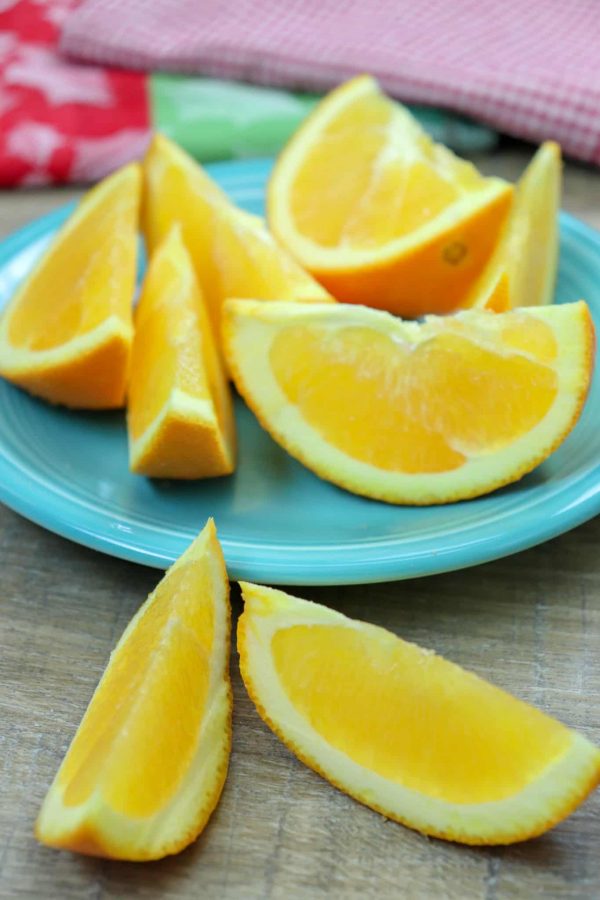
379	213
412	413
250	263
234	255
147	765
522	270
66	334
403	730
180	417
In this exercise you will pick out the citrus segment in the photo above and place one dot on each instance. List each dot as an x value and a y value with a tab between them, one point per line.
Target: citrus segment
379	213
66	334
403	730
232	251
250	263
178	190
180	417
409	413
522	270
148	762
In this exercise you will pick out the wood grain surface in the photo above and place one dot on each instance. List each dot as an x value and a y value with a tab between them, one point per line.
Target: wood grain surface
530	622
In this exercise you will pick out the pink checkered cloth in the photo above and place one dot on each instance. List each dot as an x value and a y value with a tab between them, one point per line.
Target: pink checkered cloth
530	68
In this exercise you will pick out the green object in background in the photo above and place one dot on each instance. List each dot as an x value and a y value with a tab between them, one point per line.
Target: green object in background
457	132
214	119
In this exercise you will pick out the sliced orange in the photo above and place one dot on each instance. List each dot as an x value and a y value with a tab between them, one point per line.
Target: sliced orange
404	731
234	255
379	213
66	335
180	417
406	412
250	263
147	765
522	270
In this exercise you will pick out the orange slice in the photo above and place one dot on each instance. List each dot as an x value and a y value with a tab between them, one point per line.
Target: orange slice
180	418
406	412
379	213
234	255
522	270
66	335
404	731
148	762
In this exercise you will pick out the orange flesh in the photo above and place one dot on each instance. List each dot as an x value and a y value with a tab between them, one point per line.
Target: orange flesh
530	336
231	257
175	193
141	729
415	408
322	214
388	185
81	282
251	264
172	348
530	246
434	277
411	716
239	276
398	201
522	269
499	299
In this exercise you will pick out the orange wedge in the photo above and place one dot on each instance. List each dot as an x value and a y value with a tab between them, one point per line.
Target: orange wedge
180	417
234	255
404	731
379	213
147	765
412	413
66	335
522	270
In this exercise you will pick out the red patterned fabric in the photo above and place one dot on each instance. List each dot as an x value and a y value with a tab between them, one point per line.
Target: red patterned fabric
528	67
61	121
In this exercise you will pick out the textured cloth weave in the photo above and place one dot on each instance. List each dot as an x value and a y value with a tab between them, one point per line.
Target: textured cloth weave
531	69
59	120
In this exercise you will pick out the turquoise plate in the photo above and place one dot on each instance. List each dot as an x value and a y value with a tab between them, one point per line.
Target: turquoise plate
278	522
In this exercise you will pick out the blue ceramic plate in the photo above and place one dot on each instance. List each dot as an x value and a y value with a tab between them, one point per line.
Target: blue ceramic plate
277	521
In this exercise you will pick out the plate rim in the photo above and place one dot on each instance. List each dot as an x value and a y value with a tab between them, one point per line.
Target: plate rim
306	564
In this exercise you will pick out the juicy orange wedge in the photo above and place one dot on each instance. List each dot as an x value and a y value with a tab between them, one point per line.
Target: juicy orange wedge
180	417
404	731
66	335
522	270
147	765
412	413
377	212
233	253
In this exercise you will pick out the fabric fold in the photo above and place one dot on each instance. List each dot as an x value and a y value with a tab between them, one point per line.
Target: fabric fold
529	69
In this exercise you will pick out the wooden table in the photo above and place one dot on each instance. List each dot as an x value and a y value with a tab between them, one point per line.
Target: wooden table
530	622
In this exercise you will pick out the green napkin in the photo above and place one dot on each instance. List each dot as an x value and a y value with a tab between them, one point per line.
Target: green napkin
215	119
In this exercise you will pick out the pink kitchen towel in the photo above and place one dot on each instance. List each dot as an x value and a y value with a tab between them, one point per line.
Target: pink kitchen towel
530	68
